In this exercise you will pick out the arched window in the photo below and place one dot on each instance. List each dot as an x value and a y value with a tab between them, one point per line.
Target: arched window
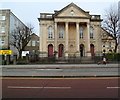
61	32
104	43
81	32
110	44
91	32
50	32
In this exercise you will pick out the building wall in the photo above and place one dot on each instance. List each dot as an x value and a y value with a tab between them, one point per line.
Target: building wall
107	39
71	22
11	23
4	28
33	45
14	24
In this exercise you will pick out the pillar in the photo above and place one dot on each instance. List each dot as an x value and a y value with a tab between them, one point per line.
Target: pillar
88	40
77	40
66	40
56	37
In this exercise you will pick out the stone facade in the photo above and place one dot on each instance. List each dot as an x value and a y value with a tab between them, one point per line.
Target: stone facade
70	32
108	42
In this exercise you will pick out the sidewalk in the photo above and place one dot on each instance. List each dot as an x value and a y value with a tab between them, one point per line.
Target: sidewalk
61	66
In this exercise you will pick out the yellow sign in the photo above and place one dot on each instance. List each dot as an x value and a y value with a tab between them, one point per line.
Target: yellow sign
5	52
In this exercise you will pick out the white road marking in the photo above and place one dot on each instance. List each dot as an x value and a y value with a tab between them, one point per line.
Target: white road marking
48	69
113	87
24	87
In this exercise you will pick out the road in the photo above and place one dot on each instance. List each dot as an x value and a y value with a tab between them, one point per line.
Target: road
60	87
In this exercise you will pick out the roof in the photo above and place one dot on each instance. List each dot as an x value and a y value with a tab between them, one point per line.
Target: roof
107	33
34	34
71	4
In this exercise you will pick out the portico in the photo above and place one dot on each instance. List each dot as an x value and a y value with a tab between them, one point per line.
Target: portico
72	37
70	32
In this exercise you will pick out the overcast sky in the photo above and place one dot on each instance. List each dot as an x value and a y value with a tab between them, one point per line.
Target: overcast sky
29	10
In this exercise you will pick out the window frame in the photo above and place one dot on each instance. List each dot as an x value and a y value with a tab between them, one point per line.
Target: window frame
50	32
91	33
81	32
2	17
2	29
61	32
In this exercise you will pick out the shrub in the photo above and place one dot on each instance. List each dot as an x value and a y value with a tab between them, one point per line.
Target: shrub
113	56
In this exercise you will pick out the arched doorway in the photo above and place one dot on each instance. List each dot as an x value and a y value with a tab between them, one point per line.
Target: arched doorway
81	50
50	50
61	50
92	50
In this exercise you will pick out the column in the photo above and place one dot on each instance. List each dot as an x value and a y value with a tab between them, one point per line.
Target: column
66	40
56	37
88	40
41	41
77	40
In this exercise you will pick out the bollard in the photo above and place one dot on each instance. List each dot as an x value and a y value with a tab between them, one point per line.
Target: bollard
14	59
27	58
7	59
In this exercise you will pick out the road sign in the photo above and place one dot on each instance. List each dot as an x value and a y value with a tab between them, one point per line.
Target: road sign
5	52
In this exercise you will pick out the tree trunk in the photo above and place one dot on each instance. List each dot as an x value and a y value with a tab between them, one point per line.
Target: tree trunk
20	54
116	44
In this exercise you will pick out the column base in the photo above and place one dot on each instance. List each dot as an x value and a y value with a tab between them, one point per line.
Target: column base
43	54
77	54
56	55
66	55
88	54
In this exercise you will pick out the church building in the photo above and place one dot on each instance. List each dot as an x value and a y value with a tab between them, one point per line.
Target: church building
70	32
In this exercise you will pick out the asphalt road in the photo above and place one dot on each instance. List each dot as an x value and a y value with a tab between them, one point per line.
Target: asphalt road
60	87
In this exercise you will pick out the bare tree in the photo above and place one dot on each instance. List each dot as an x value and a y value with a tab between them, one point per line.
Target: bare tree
111	23
20	38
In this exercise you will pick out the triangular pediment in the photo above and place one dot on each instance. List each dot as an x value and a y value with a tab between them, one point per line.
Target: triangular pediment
106	34
72	10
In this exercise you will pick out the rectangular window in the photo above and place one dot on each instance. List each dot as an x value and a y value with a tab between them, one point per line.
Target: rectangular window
2	29
37	43
33	43
2	17
81	33
2	41
91	32
50	32
61	32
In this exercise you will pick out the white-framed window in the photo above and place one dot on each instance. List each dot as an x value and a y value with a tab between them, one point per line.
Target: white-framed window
81	32
61	32
2	41
2	17
50	32
37	43
91	32
33	43
2	29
